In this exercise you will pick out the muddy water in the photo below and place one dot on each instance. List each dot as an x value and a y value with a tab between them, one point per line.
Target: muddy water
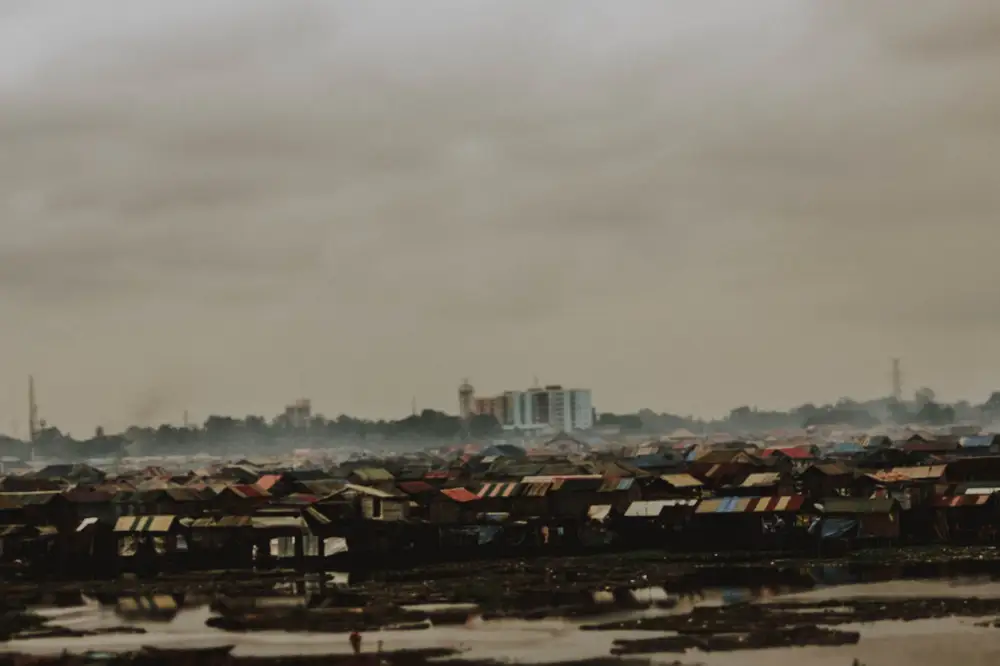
918	643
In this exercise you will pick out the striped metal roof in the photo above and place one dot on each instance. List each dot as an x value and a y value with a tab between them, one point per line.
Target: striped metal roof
751	504
152	524
504	489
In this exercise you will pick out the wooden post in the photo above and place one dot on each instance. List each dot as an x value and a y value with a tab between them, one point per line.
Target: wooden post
299	551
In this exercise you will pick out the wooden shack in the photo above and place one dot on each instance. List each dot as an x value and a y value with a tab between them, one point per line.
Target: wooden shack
859	521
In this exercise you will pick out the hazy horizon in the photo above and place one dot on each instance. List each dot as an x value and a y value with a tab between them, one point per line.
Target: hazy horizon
222	206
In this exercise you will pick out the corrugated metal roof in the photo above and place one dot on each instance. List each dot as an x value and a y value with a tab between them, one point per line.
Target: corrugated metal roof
278	522
35	498
957	501
7	531
653	508
758	479
682	480
85	523
552	478
857	505
460	494
248	491
980	490
267	481
751	504
614	484
81	496
318	516
298	499
535	489
159	602
794	452
898	474
152	524
503	489
415	487
364	490
599	512
372	474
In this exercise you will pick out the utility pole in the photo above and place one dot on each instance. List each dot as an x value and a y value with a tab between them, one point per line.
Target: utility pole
32	415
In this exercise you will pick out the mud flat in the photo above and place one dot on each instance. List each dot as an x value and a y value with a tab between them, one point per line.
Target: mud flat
221	657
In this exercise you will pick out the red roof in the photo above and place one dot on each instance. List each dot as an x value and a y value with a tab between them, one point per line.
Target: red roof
460	494
267	481
415	487
438	474
248	490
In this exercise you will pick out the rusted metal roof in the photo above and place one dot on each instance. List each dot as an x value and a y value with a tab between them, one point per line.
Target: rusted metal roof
82	496
460	494
20	500
299	499
416	487
903	474
248	491
957	501
267	481
536	489
751	504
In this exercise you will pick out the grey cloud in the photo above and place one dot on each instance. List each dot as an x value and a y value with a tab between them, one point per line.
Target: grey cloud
684	206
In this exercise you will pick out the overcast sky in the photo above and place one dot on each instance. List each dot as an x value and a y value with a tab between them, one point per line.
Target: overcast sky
221	206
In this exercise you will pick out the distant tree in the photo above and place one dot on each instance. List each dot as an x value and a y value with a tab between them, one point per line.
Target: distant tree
221	427
924	395
934	414
898	413
484	425
992	405
257	425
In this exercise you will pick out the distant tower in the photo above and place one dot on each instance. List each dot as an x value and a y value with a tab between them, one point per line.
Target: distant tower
897	380
33	425
32	411
466	396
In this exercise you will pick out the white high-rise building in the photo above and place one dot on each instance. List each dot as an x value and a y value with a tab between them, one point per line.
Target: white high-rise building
551	407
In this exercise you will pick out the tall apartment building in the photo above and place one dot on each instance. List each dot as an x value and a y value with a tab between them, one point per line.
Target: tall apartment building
552	407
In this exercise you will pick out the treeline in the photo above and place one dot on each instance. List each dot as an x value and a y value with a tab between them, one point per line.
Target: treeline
922	410
225	434
256	434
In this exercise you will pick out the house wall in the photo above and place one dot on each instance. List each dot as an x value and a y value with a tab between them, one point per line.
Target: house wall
387	509
879	525
444	512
